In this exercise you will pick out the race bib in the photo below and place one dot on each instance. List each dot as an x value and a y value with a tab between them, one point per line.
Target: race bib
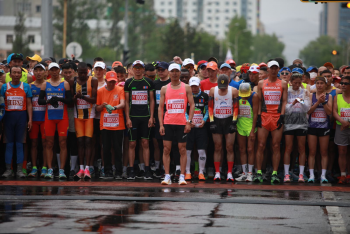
345	114
197	118
111	120
14	103
244	111
176	106
60	104
157	96
36	106
319	115
82	104
272	97
139	97
223	112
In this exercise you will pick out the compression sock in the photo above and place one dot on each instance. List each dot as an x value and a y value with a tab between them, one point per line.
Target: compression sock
324	173
244	168
301	169
73	162
259	172
274	173
196	166
188	163
229	167
250	168
24	163
59	161
286	169
202	158
217	167
34	167
312	174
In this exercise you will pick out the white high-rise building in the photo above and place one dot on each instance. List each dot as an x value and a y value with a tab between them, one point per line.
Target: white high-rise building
213	16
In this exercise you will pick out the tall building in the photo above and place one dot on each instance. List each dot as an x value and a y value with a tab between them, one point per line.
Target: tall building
31	8
213	16
334	21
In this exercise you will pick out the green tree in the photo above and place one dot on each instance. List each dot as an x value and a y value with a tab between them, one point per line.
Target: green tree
172	42
266	47
20	44
238	32
319	51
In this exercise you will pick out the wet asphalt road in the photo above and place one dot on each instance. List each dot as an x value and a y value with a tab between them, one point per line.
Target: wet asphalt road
101	209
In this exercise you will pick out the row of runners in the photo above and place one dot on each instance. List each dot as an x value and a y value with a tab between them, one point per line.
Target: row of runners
184	114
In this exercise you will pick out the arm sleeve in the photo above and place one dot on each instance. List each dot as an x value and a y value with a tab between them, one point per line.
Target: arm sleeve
206	115
42	100
68	98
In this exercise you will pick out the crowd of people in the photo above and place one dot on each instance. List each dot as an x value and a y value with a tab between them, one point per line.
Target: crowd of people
175	121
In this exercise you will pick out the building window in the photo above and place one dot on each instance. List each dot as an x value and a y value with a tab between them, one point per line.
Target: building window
209	18
194	11
162	10
9	39
217	3
226	10
209	25
227	3
170	11
217	18
194	3
38	9
170	3
31	39
195	18
216	25
217	10
227	18
234	11
209	11
162	3
235	3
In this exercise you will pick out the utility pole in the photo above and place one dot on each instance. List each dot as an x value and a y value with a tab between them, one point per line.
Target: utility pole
46	28
126	48
64	43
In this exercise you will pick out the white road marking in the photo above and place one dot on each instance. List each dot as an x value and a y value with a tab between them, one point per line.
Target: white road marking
336	220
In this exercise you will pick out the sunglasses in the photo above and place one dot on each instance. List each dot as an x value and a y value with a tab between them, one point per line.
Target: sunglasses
138	67
344	83
151	77
189	66
285	73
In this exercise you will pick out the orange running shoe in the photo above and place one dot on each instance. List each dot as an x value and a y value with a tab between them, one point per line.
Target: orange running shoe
87	174
79	175
342	180
201	177
188	176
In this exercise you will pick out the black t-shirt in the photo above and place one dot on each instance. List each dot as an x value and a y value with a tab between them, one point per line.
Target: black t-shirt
139	98
200	102
158	84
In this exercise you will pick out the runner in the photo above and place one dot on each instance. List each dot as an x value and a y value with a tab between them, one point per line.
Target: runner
296	123
198	134
341	113
246	128
263	74
139	111
223	112
32	62
253	72
175	96
319	127
38	121
84	90
150	72
56	95
273	96
202	70
16	60
18	104
285	74
189	65
111	102
185	76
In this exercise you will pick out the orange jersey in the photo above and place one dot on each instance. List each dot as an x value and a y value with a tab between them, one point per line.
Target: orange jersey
272	96
15	98
115	120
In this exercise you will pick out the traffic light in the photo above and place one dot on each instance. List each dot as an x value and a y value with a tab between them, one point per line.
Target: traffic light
125	56
345	5
140	1
335	52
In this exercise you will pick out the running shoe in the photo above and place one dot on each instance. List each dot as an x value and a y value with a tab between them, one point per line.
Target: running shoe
33	173
148	175
118	176
62	176
210	172
301	178
275	179
7	173
286	178
157	173
49	174
72	173
258	178
293	177
92	172
182	180
323	180
201	177
131	175
348	178
109	175
102	173
87	174
79	175
243	177
188	176
124	175
342	180
311	180
24	171
249	177
141	174
265	177
217	176
167	180
43	172
195	174
20	174
230	177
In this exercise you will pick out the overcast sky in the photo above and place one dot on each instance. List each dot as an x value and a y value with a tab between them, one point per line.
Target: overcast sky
294	22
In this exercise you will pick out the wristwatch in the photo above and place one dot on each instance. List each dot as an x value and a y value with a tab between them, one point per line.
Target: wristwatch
189	121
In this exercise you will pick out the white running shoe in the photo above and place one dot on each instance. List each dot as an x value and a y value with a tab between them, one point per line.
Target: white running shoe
230	177
7	173
243	177
249	177
217	176
182	181
167	180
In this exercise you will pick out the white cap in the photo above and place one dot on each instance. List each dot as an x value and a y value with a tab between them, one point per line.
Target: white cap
254	69
273	63
174	66
194	81
188	61
138	62
100	64
53	65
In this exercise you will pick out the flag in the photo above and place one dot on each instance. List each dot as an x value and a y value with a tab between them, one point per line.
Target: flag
228	55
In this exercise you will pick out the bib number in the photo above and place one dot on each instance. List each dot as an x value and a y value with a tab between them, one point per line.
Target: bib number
60	104
197	118
82	104
14	103
36	106
345	114
176	106
111	120
319	115
139	97
272	97
244	111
